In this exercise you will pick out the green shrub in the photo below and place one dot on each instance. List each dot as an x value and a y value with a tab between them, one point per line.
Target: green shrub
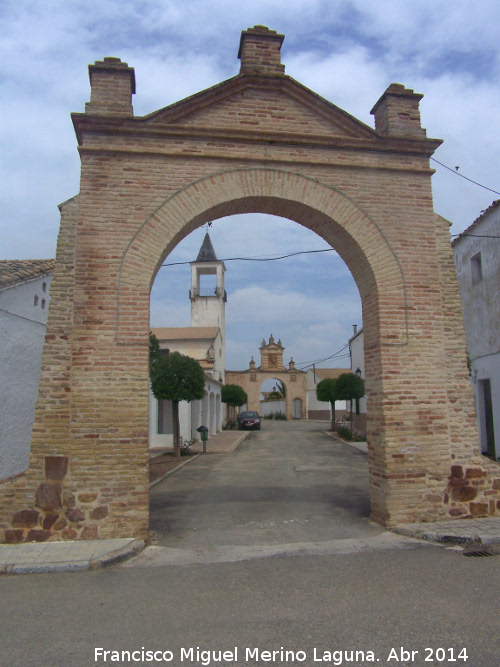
275	415
185	446
344	432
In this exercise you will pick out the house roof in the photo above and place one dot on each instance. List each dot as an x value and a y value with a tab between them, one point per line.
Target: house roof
185	333
14	271
334	373
476	222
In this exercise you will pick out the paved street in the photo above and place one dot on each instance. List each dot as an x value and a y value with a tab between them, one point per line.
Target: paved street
289	482
346	585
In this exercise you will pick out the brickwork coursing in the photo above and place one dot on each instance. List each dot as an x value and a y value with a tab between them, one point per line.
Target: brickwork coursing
148	182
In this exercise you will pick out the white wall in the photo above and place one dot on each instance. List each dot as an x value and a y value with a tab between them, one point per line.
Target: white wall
22	333
487	368
357	347
266	407
480	300
481	310
207	412
312	403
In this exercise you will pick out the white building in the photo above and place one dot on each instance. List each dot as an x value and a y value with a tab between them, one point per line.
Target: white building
319	409
477	260
203	341
357	352
24	301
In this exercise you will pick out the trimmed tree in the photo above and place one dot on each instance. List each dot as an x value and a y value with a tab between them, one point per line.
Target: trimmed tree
326	390
350	387
234	396
174	377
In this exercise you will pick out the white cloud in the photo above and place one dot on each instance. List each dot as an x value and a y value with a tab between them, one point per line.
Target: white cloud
273	306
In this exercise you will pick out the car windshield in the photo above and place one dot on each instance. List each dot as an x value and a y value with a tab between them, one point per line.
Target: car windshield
247	415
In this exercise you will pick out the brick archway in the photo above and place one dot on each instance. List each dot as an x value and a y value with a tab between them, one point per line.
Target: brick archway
259	142
251	382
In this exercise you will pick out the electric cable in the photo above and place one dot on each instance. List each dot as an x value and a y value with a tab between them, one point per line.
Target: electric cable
455	171
260	259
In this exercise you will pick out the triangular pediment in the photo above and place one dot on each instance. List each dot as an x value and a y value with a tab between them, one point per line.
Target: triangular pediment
279	106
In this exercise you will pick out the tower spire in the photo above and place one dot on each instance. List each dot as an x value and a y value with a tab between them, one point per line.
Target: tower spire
207	252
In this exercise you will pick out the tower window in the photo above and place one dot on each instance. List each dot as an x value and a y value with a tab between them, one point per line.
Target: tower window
35	300
208	285
476	268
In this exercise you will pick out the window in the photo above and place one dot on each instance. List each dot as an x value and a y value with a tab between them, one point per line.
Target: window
43	304
35	300
476	268
486	418
44	287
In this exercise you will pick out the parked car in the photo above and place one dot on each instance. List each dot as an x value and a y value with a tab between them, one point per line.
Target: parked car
248	420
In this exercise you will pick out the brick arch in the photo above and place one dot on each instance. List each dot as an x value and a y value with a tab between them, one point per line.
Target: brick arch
322	208
251	381
258	142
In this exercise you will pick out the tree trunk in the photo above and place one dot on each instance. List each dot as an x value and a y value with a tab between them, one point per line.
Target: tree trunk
176	429
332	403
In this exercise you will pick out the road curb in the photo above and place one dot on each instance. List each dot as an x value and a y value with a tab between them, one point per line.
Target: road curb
76	558
171	472
471	535
118	556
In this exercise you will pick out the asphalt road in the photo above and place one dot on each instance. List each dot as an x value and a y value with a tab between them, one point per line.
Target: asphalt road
289	482
382	602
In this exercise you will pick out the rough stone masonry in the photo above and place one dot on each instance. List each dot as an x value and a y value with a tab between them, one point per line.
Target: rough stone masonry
258	142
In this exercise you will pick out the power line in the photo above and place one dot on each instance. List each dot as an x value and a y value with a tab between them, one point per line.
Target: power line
340	356
455	171
479	236
260	259
305	364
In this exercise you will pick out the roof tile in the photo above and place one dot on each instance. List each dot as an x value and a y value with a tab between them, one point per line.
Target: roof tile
14	271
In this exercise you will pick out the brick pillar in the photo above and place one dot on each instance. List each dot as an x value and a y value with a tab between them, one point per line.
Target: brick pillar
260	51
397	113
112	84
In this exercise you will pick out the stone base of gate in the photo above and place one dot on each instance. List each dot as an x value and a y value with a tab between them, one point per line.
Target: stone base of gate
50	507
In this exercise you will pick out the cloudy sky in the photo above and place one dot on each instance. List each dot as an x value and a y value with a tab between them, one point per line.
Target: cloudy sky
348	51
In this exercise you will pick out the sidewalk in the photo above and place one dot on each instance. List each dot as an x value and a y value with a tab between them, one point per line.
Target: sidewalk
466	532
222	443
70	556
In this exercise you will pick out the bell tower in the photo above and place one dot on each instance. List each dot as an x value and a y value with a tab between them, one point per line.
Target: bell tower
207	294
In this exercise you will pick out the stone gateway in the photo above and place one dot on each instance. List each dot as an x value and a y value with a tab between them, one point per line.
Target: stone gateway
258	142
